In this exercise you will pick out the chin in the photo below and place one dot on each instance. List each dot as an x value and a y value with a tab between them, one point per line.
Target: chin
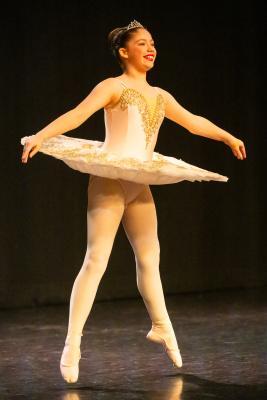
147	67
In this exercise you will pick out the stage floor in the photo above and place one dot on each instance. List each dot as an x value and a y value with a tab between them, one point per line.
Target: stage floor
222	336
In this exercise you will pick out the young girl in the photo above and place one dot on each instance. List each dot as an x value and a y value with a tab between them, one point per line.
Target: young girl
120	173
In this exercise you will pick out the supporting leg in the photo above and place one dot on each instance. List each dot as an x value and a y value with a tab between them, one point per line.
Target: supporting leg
140	224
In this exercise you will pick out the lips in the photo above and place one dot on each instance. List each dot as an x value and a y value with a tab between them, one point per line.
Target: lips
149	57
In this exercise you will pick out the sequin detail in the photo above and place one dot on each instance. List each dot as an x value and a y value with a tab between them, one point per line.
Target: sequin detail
100	156
151	121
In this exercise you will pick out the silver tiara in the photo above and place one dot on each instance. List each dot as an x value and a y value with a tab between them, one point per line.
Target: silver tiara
134	24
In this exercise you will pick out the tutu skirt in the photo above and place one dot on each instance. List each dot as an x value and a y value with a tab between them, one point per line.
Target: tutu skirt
87	156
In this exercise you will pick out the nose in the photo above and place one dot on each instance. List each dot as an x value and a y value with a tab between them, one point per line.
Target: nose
151	49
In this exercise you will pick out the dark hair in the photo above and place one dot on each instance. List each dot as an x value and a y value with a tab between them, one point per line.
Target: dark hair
118	38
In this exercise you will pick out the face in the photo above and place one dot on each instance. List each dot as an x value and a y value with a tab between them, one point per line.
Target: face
140	50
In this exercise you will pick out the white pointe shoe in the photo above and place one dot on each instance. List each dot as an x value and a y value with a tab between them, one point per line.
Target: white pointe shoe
69	362
165	339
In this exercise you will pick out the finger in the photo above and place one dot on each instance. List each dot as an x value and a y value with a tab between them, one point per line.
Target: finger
236	153
240	156
24	158
240	152
243	150
26	153
33	152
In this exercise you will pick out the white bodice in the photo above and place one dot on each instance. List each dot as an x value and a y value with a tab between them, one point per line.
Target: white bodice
132	125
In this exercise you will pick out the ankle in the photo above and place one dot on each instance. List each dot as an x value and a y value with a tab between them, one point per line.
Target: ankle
73	339
165	325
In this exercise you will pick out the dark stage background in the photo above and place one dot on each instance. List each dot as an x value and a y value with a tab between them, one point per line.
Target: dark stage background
210	57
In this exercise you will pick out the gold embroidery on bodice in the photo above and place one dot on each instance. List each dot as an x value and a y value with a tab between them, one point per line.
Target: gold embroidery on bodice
151	119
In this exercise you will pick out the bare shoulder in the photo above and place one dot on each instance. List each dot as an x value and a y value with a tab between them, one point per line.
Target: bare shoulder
111	84
114	88
164	93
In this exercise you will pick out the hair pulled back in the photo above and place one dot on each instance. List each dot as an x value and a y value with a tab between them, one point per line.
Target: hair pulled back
118	38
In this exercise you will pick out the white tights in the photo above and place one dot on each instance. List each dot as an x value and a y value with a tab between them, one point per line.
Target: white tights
111	201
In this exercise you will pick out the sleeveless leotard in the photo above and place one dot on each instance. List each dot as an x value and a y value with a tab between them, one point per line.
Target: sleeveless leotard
132	125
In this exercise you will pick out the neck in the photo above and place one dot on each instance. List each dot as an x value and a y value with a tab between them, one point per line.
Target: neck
134	75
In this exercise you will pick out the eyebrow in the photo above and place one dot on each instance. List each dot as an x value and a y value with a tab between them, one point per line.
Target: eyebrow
151	40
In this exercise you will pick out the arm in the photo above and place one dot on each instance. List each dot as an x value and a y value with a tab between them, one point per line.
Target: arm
199	125
99	97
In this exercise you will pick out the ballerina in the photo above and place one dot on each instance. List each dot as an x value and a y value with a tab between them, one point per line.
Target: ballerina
121	170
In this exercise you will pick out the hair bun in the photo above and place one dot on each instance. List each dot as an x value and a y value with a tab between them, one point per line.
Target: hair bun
114	37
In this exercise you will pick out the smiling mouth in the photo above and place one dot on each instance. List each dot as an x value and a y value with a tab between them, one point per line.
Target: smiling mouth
149	57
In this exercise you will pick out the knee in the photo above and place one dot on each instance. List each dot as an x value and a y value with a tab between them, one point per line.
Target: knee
148	255
96	260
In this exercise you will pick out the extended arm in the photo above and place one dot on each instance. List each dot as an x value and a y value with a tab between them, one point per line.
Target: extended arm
199	125
98	98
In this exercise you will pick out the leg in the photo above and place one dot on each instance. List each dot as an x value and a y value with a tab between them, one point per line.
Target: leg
105	210
140	224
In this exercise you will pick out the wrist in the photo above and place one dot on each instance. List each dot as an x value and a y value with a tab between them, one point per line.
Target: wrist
41	135
228	138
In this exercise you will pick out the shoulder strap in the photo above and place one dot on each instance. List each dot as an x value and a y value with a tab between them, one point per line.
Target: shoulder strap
123	84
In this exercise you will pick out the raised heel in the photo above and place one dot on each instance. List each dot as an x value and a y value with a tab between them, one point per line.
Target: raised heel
173	352
154	337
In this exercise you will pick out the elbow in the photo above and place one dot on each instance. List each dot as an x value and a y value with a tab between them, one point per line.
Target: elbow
196	124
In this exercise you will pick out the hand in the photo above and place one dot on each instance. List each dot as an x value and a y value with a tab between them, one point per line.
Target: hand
238	148
32	146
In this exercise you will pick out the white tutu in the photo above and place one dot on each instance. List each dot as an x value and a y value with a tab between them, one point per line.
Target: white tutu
87	156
